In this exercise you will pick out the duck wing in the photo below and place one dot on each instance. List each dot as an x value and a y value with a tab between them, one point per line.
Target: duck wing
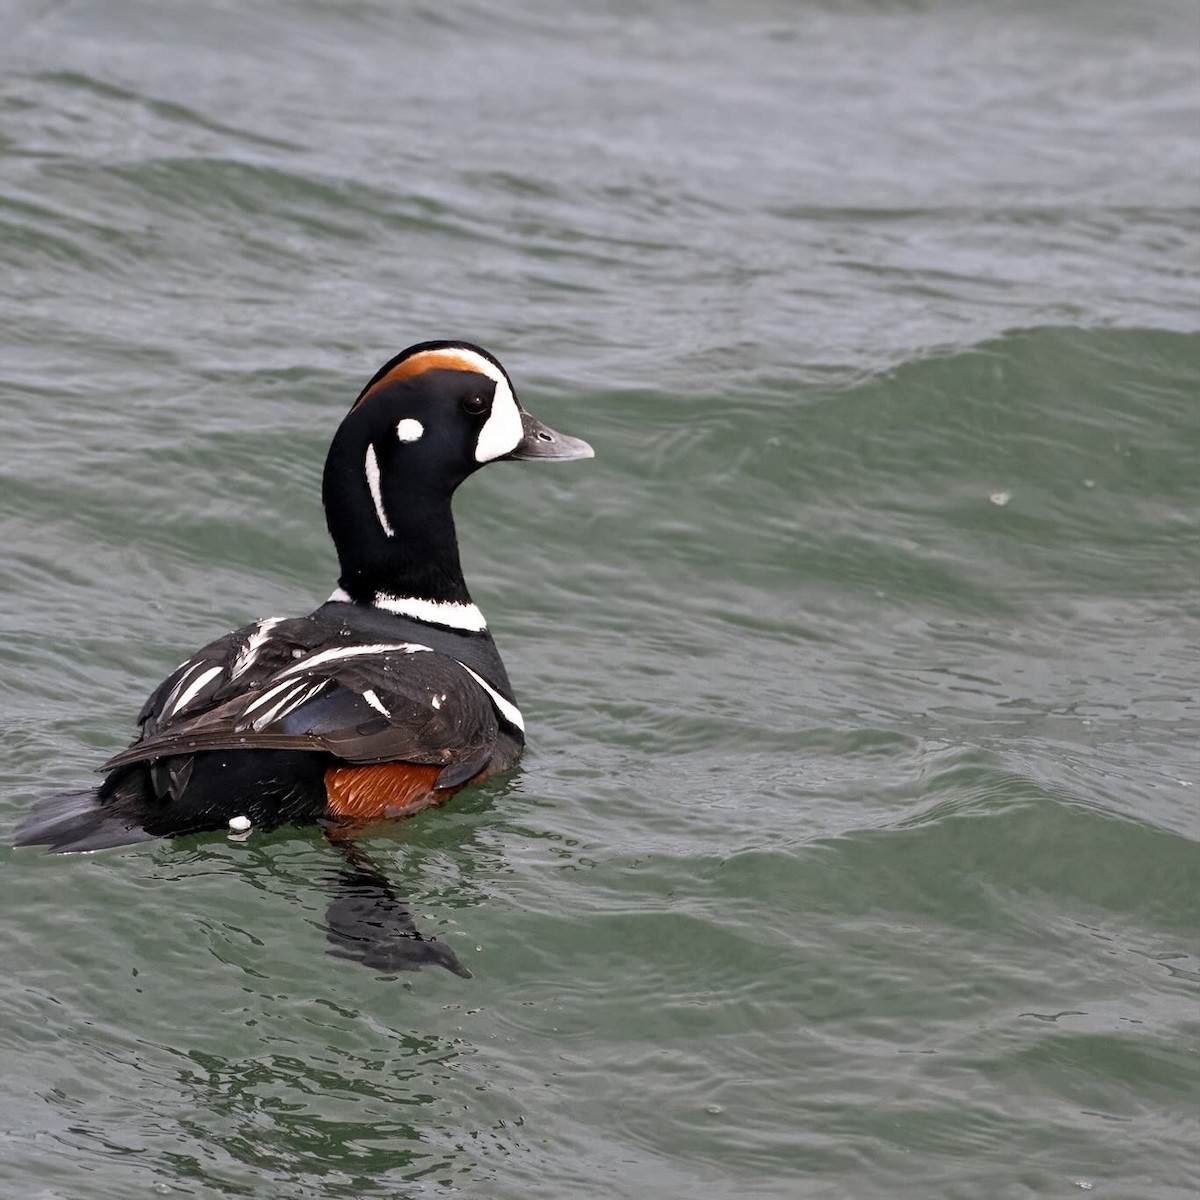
277	685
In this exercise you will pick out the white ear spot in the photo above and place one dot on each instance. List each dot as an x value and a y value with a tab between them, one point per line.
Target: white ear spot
409	430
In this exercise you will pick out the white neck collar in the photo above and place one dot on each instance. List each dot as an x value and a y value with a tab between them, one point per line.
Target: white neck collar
450	613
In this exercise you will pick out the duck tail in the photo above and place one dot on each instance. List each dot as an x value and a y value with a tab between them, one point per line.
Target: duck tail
78	821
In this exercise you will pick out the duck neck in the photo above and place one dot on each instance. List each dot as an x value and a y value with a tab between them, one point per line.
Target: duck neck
417	560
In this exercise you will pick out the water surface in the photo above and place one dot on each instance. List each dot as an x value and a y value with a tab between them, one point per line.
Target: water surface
854	853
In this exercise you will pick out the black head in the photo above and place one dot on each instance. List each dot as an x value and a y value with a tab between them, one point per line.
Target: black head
427	419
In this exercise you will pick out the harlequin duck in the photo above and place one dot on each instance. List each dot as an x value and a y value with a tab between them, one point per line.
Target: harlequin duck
391	696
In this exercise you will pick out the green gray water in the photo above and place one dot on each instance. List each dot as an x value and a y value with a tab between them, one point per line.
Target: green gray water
855	852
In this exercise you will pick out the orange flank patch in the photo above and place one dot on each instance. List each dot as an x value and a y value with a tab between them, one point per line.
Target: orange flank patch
418	364
381	791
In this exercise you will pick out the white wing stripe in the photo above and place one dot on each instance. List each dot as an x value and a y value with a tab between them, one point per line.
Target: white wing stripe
275	690
508	710
179	700
254	643
316	660
289	692
299	694
189	669
268	714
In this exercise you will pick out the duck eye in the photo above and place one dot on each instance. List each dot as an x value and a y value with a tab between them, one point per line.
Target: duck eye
474	404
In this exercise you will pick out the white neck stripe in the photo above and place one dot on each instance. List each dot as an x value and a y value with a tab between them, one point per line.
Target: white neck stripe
372	468
450	613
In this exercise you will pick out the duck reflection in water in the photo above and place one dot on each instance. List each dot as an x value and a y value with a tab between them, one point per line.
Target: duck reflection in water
368	923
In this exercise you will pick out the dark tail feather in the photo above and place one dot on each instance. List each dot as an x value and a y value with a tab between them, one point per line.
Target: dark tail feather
78	821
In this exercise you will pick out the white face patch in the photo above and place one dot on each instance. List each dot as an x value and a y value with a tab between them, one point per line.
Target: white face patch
409	430
372	469
502	431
